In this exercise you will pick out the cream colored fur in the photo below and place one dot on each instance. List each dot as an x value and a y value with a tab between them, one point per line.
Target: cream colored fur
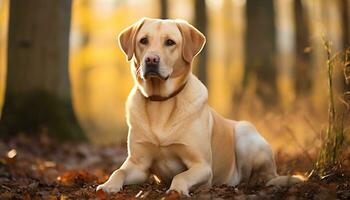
182	139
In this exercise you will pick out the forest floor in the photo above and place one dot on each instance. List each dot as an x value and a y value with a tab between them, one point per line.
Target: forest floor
38	168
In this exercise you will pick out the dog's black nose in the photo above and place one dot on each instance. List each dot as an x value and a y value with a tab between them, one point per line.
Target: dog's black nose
152	60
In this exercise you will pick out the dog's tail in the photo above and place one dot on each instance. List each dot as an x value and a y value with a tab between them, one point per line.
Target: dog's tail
286	180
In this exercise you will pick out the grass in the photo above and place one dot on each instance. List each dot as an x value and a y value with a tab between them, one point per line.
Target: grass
334	139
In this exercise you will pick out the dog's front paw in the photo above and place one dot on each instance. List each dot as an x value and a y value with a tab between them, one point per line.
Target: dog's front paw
109	187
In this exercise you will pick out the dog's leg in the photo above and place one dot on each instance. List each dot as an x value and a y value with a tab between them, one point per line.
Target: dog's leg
128	173
199	173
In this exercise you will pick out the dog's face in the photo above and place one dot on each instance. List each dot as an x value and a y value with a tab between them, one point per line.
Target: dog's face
162	52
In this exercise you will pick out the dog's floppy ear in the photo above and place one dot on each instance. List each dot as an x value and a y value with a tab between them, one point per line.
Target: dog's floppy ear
192	40
127	38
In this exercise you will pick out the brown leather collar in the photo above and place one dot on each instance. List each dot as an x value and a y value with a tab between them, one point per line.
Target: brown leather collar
161	98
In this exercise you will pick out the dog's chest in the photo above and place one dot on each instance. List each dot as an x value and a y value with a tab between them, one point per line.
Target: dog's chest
160	119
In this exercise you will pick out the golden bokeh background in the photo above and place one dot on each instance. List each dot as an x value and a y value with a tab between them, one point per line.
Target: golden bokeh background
101	80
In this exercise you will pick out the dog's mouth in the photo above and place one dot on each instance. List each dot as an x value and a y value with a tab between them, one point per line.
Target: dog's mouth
154	74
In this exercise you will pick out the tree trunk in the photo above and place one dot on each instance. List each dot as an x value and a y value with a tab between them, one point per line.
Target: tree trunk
303	69
344	5
201	21
260	50
228	32
37	92
164	9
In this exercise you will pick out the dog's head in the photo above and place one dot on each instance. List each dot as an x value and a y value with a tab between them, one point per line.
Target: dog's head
162	52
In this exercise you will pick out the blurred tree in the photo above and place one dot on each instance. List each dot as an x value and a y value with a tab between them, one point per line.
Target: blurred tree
4	12
229	49
201	22
260	50
163	9
303	69
228	32
37	94
344	5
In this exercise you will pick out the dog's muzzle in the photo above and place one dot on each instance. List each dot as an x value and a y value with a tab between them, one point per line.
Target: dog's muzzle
151	70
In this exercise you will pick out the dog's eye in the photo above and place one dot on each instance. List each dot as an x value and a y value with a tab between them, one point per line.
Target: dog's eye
144	40
169	42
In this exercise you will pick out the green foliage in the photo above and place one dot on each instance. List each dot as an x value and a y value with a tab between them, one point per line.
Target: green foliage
39	112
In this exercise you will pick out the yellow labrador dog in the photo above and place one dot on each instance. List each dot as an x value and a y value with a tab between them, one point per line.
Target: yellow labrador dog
173	132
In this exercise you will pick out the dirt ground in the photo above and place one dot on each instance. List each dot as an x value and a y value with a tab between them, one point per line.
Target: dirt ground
37	167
